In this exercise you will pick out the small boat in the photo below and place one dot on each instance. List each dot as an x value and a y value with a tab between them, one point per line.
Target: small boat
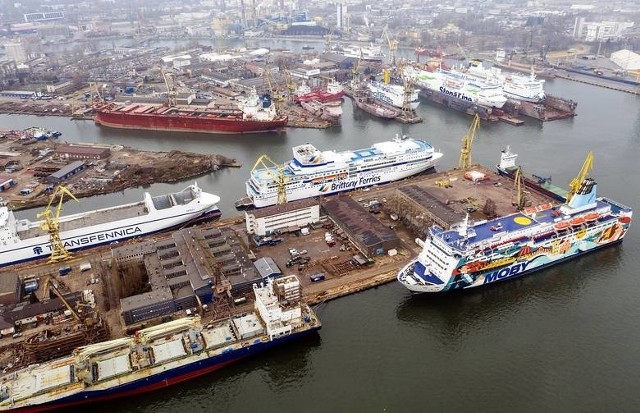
592	216
562	225
307	47
576	221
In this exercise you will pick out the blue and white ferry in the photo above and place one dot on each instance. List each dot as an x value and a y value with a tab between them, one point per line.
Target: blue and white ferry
313	173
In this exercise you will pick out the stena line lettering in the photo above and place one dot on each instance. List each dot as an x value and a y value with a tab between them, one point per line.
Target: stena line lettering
505	273
458	95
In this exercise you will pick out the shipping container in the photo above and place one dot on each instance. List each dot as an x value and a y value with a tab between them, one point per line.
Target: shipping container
64	270
85	266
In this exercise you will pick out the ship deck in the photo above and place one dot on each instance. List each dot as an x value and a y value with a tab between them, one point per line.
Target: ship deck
491	231
97	217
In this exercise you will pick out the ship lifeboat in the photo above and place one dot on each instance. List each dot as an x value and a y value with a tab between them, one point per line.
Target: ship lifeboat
529	211
625	220
592	216
561	225
576	221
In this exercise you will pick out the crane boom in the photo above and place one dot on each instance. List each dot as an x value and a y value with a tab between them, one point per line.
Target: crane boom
50	286
574	185
51	224
467	140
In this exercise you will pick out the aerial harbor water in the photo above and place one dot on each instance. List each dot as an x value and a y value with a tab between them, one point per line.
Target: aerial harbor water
564	339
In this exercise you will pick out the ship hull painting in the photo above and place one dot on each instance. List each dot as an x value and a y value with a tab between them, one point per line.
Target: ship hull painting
146	383
115	224
178	123
515	245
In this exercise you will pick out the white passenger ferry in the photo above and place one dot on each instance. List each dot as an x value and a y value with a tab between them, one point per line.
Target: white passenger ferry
393	95
24	240
458	86
314	173
515	86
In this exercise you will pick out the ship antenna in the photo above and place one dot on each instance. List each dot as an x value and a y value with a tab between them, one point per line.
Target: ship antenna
462	230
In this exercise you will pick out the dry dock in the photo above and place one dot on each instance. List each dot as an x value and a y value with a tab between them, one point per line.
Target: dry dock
231	258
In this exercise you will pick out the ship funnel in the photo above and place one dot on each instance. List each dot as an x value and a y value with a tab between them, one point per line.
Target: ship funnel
508	158
585	196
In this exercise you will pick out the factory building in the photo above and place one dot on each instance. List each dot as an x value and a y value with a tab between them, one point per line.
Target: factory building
82	152
191	268
65	172
283	218
368	234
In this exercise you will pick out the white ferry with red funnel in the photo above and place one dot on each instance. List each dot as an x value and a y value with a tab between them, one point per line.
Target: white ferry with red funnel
23	240
475	254
160	356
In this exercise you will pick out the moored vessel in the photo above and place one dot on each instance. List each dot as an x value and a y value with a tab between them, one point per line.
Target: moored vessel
373	107
163	355
474	254
24	240
458	86
393	95
313	173
515	86
253	114
332	92
507	167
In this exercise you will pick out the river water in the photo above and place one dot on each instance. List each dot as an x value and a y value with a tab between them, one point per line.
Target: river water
564	339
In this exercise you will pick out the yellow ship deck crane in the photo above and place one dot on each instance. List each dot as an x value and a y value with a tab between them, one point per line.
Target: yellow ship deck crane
276	172
467	140
51	224
574	185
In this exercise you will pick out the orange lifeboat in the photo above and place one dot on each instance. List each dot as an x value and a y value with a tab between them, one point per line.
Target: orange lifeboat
561	225
592	216
576	221
625	219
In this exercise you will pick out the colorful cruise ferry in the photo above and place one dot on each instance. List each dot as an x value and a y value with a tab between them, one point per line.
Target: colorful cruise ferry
313	173
471	255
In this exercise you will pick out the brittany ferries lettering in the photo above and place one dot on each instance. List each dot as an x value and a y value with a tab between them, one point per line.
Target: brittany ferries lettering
313	173
23	240
354	183
470	255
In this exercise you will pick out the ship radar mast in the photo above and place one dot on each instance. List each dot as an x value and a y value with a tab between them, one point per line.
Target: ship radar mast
51	224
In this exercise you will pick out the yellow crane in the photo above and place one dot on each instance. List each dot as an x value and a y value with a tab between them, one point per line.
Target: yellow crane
51	224
49	285
574	185
172	93
268	78
467	140
521	195
392	43
276	172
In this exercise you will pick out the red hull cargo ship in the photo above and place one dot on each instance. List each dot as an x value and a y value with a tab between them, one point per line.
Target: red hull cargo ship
252	115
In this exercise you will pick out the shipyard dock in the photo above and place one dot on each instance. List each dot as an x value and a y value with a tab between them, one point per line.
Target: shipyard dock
359	240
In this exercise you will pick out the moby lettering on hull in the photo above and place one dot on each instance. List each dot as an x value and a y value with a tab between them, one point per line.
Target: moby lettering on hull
505	273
